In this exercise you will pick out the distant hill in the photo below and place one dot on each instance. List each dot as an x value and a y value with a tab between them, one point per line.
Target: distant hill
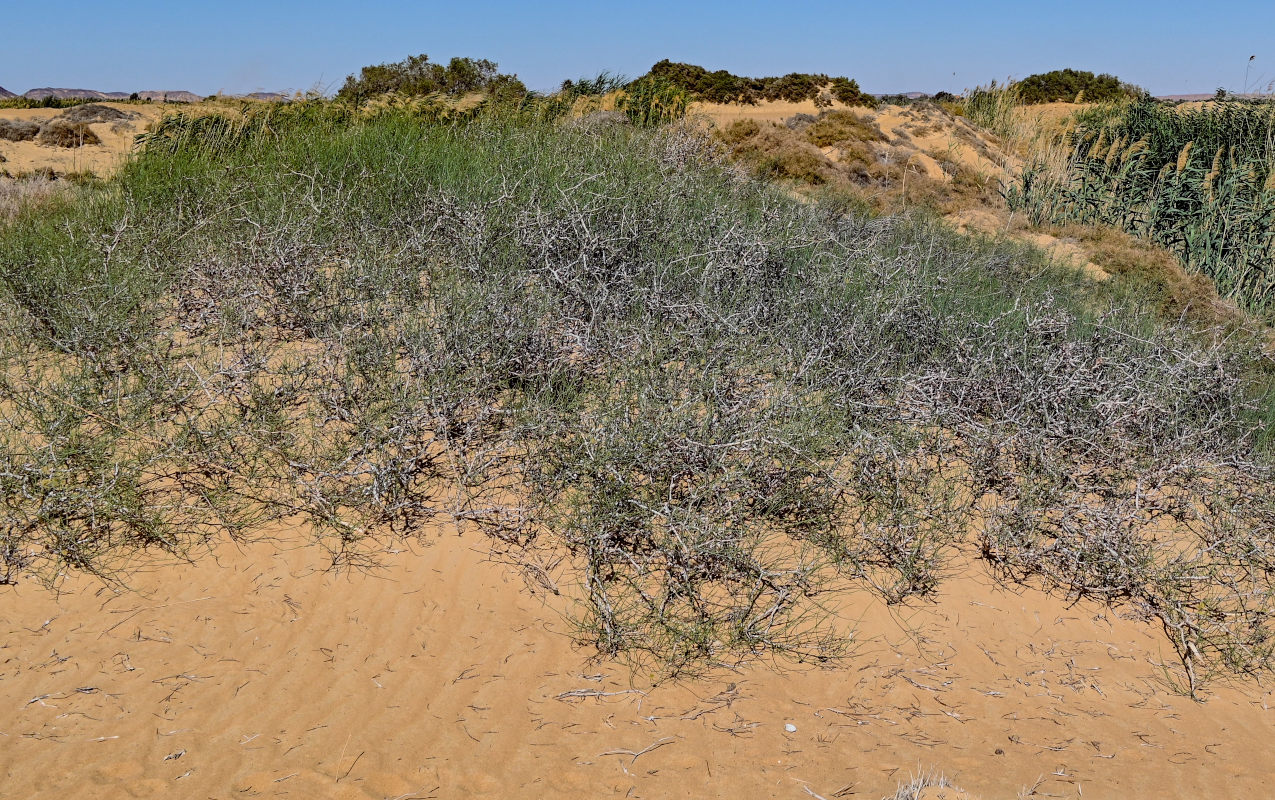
73	94
5	93
1212	95
171	97
94	94
273	97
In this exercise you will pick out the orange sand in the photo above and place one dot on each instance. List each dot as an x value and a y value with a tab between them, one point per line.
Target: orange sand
441	675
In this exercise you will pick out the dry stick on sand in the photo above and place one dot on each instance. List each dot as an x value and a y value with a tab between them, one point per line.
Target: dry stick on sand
644	751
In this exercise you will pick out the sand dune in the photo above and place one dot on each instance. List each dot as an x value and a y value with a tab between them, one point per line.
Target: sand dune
101	159
256	674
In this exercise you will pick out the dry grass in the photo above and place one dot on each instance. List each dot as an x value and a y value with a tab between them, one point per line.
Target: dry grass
835	127
842	152
60	133
18	130
1150	268
93	112
27	192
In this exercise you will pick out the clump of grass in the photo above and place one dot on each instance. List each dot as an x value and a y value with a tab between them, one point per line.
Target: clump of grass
914	788
18	130
835	127
995	108
776	152
1150	269
59	133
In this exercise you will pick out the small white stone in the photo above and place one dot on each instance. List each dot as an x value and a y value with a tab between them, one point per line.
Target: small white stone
790	728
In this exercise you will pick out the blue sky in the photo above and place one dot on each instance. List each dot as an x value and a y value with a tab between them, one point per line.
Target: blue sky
899	45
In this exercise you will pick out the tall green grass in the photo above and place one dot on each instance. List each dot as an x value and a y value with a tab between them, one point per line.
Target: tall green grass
1201	183
715	402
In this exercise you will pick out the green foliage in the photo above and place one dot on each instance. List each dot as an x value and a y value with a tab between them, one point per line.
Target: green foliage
847	92
1201	183
652	101
416	76
723	87
993	107
1073	86
601	84
48	102
711	87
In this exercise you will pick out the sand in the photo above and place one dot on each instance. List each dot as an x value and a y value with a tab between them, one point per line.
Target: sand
102	159
917	133
257	674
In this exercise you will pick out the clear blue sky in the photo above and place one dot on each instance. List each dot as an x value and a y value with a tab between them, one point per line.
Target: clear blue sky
899	45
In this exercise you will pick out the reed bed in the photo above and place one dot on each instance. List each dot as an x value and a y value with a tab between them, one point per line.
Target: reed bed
1200	182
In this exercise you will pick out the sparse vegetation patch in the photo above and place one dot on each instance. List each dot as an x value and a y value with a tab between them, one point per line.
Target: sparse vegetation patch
18	130
715	403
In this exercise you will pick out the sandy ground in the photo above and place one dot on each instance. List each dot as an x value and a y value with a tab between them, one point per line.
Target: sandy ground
917	134
256	674
102	160
997	222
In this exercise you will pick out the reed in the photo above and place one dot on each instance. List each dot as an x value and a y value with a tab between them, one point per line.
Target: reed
1216	212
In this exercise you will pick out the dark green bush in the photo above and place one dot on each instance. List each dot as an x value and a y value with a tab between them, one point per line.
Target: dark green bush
723	87
415	76
1070	86
847	92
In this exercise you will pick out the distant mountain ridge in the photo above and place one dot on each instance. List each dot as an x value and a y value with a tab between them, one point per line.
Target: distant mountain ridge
5	93
93	94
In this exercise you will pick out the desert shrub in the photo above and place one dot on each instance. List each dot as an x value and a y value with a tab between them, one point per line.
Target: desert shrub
94	112
711	401
776	152
601	120
711	87
59	133
847	92
1074	86
723	87
799	122
833	127
416	76
739	130
18	130
793	87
